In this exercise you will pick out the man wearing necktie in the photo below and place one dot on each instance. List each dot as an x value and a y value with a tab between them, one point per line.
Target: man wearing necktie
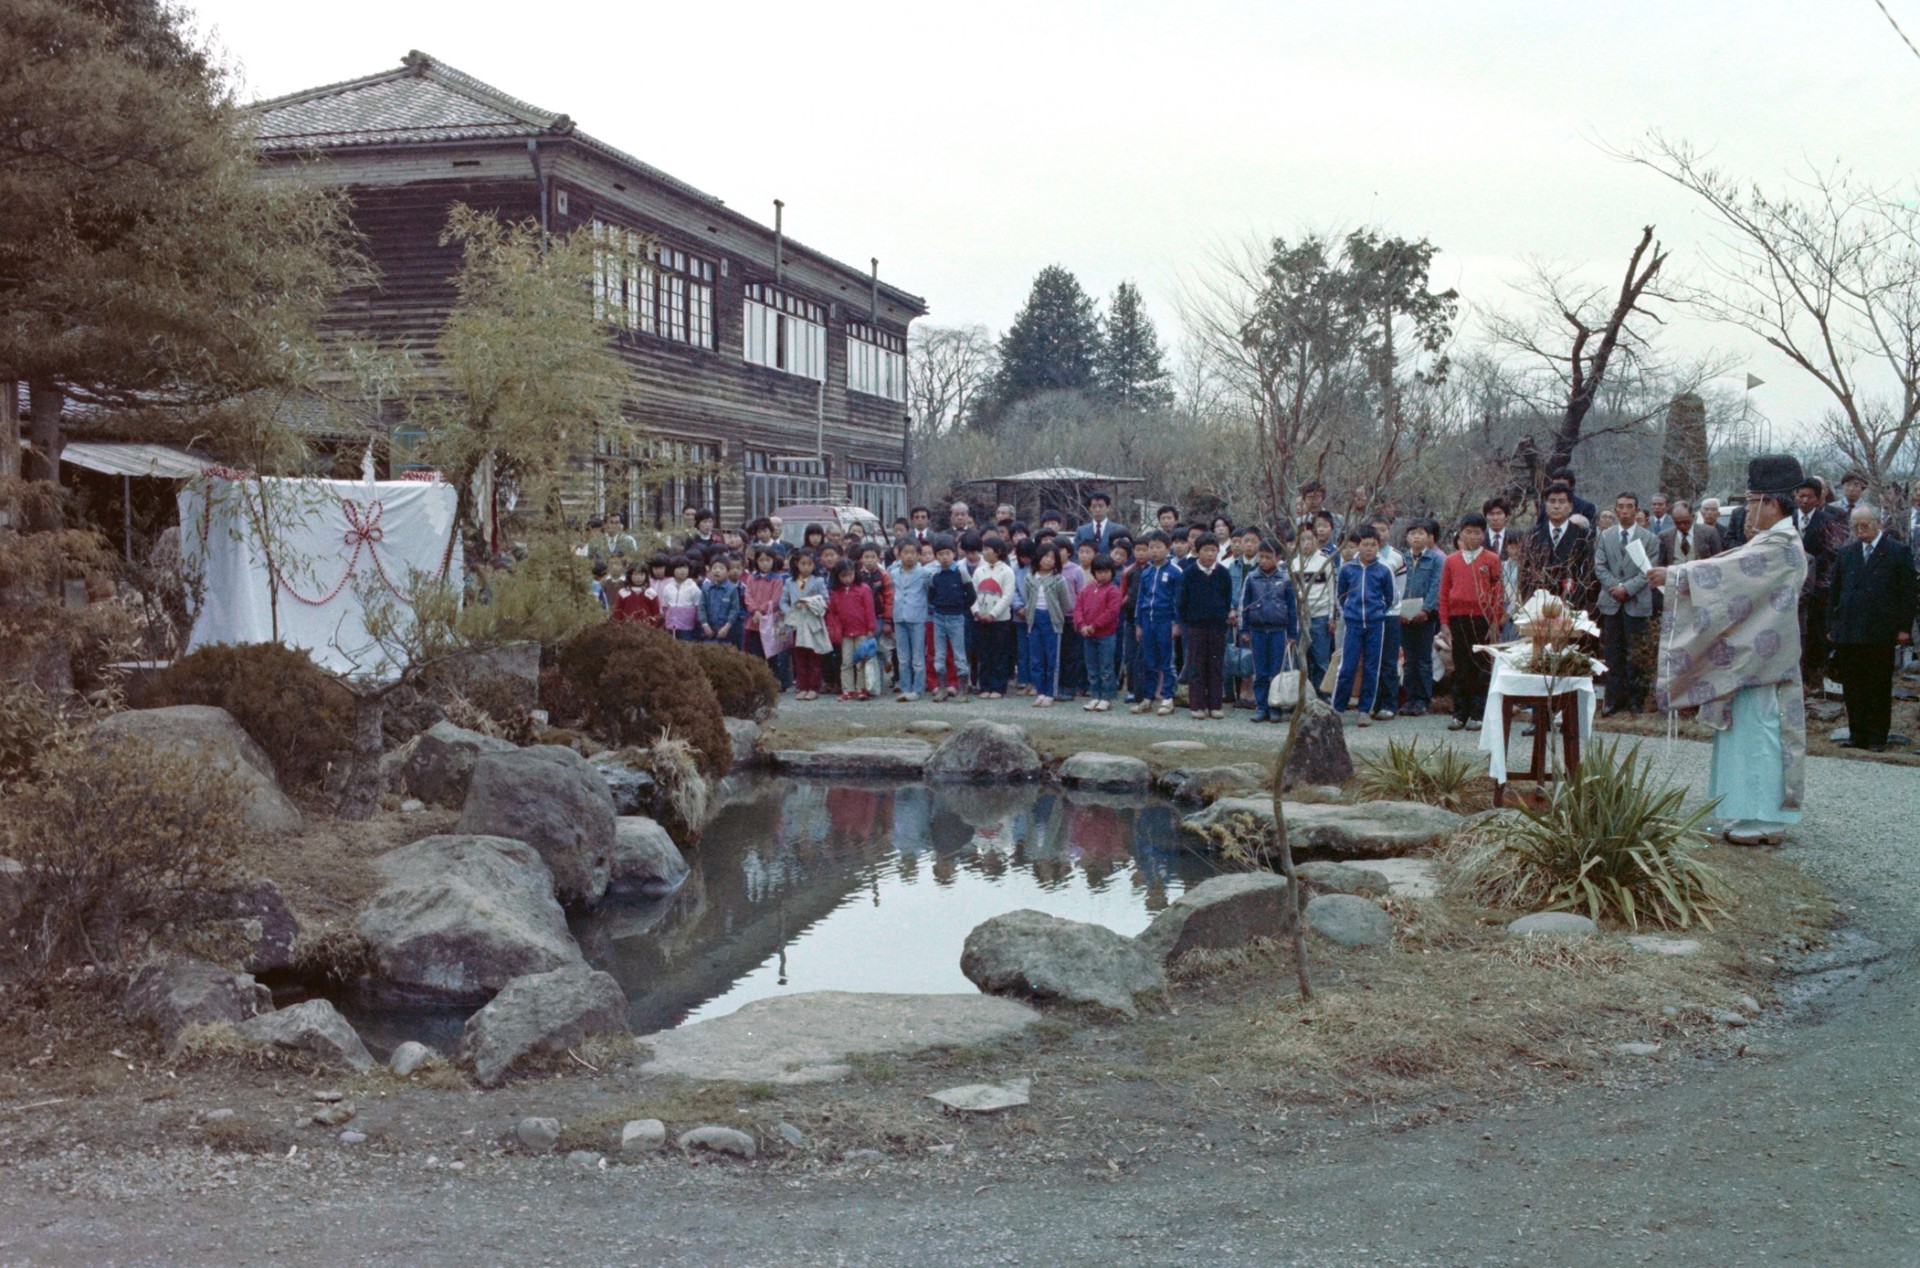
1870	614
1626	601
1823	535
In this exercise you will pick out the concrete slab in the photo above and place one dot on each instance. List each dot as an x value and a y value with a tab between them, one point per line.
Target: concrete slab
807	1037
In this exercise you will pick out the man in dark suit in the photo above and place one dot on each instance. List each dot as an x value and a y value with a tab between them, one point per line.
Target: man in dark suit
1689	539
1580	505
1559	553
1823	535
1099	530
1869	614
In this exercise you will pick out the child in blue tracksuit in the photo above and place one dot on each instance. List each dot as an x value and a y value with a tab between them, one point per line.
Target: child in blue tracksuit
1269	614
1156	607
722	607
1365	594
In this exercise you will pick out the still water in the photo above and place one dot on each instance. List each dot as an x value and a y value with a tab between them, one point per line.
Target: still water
804	886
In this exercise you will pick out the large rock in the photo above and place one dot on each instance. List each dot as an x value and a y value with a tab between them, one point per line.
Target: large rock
211	736
1349	920
314	1028
808	1037
460	917
879	757
254	915
646	862
439	768
631	788
541	1013
171	994
1366	830
553	800
1036	956
744	734
1221	913
1210	783
1553	924
1105	772
1320	876
1320	751
983	752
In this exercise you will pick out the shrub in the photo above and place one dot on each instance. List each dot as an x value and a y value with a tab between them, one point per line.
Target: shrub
300	714
636	684
29	725
1439	776
114	841
1608	842
745	684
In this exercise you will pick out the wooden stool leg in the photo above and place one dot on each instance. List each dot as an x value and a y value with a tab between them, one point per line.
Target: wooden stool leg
1570	725
1542	732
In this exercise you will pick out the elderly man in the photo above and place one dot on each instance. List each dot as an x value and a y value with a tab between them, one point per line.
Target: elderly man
1659	514
1869	614
959	518
1689	539
1730	647
1626	601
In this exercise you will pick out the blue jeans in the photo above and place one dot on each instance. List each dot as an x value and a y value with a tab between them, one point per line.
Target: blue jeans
1022	650
1388	695
1043	655
1319	651
950	633
1269	653
910	644
1417	641
1100	676
1361	654
1156	660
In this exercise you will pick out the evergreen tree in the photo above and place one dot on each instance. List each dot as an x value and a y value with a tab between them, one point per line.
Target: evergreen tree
1131	371
1052	346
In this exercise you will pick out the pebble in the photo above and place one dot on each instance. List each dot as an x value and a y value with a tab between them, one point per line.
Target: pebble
584	1158
1636	1049
538	1134
1748	1004
456	1166
333	1115
432	1163
725	1140
408	1057
1556	924
863	1155
642	1136
413	805
1727	1017
791	1134
330	1097
1653	945
215	1116
353	1138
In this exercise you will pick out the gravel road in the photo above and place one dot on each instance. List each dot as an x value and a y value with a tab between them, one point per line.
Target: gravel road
1805	1151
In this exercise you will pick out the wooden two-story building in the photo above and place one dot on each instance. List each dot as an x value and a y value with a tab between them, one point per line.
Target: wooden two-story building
764	372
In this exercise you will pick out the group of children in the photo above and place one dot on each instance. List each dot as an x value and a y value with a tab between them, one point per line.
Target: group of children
1099	612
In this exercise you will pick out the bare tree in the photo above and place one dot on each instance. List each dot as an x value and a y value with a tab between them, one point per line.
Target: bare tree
1828	276
948	367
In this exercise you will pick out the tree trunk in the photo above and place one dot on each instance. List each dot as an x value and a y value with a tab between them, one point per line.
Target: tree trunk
361	796
47	400
1588	370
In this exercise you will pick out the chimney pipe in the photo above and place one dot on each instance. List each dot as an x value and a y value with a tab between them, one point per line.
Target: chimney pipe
873	300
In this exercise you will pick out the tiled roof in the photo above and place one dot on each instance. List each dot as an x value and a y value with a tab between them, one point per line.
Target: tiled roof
424	100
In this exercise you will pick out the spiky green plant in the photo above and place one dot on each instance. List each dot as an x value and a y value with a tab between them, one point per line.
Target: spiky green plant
1438	775
1610	842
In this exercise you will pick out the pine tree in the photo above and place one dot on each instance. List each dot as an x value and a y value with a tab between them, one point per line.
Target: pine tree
1131	370
1053	345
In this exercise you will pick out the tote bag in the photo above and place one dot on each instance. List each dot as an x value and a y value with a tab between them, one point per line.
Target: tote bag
1284	691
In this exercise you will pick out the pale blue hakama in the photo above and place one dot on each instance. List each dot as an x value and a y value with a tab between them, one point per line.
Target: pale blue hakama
1749	766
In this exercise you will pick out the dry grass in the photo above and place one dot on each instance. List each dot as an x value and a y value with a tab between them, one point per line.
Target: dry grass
218	1045
326	872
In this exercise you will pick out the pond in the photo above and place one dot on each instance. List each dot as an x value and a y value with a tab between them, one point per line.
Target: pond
811	885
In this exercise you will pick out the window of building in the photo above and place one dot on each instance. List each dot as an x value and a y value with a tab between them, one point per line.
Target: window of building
785	332
876	362
651	289
882	490
774	481
651	484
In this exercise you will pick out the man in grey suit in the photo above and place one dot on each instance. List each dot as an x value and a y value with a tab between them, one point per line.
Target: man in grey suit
1626	601
1689	539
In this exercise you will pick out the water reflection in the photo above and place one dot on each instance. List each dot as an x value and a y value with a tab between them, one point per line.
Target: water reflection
814	886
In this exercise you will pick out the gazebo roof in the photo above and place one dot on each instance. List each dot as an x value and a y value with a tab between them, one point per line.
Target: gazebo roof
1057	475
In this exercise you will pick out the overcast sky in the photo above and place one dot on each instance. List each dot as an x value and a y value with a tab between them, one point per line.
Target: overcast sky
969	144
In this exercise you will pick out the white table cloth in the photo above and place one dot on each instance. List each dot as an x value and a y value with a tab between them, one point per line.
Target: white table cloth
1508	681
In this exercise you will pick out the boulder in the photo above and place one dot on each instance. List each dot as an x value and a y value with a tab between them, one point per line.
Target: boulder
1210	783
171	994
646	862
541	1013
1553	924
459	918
408	1057
256	916
745	736
553	800
537	1135
1366	830
1040	957
314	1028
1320	750
720	1140
880	757
642	1136
1322	877
983	752
1349	920
210	735
1105	772
440	766
631	788
1220	913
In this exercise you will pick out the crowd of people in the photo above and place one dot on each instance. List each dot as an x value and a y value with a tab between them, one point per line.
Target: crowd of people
1373	610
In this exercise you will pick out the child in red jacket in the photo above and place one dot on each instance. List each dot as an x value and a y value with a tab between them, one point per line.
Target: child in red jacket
1472	602
634	600
1096	617
850	618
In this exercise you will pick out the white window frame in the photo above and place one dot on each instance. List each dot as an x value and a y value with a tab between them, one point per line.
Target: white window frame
784	332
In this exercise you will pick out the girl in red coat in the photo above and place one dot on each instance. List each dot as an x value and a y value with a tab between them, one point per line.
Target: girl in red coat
850	618
634	600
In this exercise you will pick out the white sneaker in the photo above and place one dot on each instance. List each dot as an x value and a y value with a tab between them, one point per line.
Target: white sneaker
1092	706
1165	710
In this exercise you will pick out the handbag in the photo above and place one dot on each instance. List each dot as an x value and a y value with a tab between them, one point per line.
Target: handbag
1239	662
1283	692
